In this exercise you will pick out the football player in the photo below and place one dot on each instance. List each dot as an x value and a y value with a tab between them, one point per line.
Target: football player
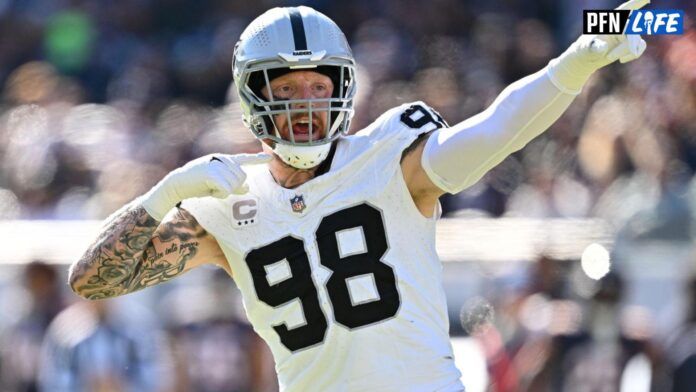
331	238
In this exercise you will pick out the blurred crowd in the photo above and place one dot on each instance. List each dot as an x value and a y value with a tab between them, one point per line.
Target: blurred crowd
562	331
191	338
100	99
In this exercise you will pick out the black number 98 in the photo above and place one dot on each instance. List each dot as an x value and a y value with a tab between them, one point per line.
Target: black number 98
365	264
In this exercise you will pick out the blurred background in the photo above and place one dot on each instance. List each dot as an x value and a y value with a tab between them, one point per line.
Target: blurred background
100	99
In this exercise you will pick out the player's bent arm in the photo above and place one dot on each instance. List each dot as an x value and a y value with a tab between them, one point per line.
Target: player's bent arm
134	251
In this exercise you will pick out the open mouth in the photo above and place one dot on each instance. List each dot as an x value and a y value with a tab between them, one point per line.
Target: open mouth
300	130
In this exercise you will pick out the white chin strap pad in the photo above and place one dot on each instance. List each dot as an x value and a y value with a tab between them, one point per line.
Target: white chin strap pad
302	157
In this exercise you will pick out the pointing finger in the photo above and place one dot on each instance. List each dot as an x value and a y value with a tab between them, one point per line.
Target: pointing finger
252	159
633	5
232	162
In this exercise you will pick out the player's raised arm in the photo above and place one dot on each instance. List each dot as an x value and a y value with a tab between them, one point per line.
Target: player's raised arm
137	248
457	157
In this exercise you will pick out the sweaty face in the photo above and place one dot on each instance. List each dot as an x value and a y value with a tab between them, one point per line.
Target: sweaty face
301	85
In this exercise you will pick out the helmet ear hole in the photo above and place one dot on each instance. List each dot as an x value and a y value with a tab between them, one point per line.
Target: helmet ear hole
334	73
256	83
257	80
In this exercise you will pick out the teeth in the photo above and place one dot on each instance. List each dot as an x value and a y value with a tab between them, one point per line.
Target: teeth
302	121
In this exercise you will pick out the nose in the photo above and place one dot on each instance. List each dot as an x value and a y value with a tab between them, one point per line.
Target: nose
304	92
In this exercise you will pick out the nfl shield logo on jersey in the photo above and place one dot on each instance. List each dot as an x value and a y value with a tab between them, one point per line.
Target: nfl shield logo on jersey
297	203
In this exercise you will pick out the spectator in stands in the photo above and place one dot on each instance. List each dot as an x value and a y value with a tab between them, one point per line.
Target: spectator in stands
606	354
681	348
91	346
20	347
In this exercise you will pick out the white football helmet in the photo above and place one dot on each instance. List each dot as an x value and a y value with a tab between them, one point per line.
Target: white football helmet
280	41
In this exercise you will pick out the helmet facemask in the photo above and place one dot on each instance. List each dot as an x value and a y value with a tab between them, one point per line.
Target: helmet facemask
262	112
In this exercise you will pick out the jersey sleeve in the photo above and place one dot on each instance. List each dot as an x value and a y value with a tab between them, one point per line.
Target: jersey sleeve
404	123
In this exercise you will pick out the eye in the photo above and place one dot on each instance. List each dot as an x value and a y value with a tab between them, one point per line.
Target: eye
283	91
321	88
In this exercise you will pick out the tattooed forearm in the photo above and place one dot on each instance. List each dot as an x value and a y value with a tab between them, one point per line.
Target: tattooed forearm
124	257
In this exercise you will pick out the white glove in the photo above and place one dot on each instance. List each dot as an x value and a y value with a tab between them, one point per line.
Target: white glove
216	175
570	70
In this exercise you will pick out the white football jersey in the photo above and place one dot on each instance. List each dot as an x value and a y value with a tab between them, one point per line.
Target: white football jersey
340	275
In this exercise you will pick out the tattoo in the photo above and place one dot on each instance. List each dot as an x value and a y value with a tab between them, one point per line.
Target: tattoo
124	258
422	138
